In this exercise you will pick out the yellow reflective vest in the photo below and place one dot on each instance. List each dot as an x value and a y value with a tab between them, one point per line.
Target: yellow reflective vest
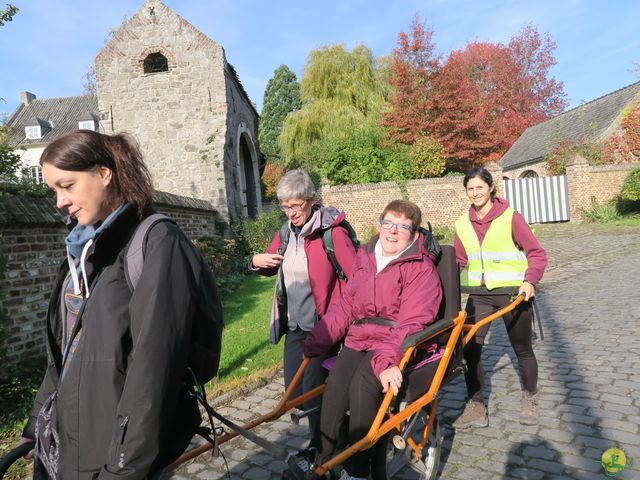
498	258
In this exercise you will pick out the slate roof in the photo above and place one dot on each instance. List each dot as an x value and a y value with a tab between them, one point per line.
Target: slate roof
584	124
62	113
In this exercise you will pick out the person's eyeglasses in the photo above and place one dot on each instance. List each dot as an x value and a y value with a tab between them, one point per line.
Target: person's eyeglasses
388	225
292	208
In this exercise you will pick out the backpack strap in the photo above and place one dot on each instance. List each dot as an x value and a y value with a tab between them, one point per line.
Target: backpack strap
134	258
284	237
327	242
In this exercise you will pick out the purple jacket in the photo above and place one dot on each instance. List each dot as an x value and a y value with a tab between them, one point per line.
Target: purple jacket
326	287
407	291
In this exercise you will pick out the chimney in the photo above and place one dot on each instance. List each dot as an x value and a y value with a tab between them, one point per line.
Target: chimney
27	97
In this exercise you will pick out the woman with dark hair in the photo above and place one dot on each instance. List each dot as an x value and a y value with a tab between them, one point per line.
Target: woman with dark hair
113	402
307	279
496	250
394	291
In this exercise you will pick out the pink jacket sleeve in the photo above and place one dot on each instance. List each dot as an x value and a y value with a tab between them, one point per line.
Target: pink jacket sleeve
420	300
273	248
526	240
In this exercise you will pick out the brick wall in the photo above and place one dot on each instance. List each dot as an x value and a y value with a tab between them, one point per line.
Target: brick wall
442	200
32	238
32	235
603	182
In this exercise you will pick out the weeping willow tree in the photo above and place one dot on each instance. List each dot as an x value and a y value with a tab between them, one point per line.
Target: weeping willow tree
341	91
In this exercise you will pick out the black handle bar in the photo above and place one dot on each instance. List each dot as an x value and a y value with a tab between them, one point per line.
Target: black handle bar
14	455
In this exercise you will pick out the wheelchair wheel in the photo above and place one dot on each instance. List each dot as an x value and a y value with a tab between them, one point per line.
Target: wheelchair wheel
396	464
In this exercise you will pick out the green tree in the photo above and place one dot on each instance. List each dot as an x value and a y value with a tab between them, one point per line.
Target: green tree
281	97
361	155
13	179
7	13
9	160
341	90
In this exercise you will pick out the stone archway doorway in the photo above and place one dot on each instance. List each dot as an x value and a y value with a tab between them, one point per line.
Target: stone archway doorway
248	180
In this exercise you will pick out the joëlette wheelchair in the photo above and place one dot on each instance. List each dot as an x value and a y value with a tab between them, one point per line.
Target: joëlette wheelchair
405	431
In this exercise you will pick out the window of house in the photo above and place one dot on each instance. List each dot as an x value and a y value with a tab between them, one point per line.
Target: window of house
155	63
32	132
36	174
87	125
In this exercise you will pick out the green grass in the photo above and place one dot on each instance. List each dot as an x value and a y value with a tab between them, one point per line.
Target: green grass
246	351
630	221
17	390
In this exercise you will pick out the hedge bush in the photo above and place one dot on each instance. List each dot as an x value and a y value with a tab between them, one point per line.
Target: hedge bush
228	257
631	186
427	155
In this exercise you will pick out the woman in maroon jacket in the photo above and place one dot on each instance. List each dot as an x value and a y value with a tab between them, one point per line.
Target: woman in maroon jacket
393	291
484	211
307	281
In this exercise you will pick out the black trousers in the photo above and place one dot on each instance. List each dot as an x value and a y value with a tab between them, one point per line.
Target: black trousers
352	386
518	324
314	375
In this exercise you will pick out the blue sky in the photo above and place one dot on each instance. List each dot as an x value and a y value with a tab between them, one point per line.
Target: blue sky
50	45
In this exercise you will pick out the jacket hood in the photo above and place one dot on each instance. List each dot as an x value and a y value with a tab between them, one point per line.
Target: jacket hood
497	209
330	216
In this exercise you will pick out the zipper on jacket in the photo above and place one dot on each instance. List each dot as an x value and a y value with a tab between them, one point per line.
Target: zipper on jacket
123	432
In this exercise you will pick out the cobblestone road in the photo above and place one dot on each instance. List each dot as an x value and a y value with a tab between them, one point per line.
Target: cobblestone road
589	388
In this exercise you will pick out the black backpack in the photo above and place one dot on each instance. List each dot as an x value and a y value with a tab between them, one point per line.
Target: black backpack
327	243
204	354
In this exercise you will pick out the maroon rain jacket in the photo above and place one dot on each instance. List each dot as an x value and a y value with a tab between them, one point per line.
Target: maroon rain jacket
407	291
326	287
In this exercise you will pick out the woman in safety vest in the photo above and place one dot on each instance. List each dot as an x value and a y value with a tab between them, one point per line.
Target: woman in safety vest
496	248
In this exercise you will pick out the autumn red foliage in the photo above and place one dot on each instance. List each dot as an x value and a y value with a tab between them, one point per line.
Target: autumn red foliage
479	100
624	147
273	172
413	65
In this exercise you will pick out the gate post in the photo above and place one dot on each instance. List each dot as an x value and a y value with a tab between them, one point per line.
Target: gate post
578	185
496	172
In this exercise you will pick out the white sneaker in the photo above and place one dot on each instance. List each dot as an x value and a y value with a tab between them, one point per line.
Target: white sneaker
344	475
303	463
304	458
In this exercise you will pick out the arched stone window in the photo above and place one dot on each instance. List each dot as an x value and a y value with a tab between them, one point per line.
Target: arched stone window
529	174
156	63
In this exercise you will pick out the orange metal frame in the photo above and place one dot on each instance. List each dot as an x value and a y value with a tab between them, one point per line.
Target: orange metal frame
384	421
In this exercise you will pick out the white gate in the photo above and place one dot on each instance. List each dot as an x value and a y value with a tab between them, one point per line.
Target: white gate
539	199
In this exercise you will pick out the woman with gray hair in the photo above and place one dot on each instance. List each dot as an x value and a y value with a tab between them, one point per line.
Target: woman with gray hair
307	278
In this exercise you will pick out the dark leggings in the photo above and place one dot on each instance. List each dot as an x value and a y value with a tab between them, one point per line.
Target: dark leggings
313	376
353	386
518	325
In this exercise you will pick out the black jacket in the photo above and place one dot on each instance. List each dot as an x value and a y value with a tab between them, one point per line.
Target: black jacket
123	412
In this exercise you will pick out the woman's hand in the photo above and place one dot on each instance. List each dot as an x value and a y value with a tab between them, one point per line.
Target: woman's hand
391	378
528	290
24	440
267	260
